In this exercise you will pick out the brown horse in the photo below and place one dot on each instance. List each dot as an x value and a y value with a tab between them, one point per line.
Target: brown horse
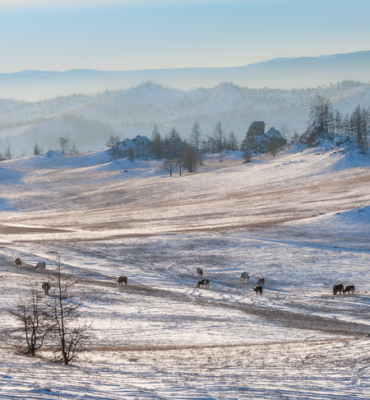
46	287
258	289
349	289
18	262
338	288
122	279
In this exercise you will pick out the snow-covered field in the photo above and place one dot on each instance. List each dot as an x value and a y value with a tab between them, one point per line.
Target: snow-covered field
300	220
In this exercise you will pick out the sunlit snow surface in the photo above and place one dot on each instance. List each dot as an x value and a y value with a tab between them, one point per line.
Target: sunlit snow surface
300	220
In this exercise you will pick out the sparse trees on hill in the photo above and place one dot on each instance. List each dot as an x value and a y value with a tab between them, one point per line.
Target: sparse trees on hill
284	130
232	143
172	149
114	149
73	150
337	122
219	138
321	111
64	145
7	152
156	146
359	123
196	137
131	153
37	150
355	126
189	158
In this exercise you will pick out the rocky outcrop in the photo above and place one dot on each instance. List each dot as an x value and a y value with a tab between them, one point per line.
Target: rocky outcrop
260	142
312	135
138	147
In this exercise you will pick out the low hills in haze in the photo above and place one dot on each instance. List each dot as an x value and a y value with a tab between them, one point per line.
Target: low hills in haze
89	120
282	73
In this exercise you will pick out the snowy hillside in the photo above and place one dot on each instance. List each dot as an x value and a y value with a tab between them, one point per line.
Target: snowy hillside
89	120
300	220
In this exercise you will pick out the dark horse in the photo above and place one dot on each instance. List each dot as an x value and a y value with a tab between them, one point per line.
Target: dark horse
349	289
203	282
122	279
338	288
258	289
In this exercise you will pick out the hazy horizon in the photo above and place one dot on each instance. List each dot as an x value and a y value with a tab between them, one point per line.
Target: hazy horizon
172	34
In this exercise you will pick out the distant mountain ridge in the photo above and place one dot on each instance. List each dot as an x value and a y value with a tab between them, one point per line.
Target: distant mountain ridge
278	73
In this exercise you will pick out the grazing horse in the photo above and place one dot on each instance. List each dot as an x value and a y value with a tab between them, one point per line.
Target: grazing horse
41	265
203	282
199	272
338	288
18	262
46	287
244	276
258	289
349	289
261	282
122	279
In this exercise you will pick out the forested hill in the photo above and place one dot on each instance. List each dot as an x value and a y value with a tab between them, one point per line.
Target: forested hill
89	120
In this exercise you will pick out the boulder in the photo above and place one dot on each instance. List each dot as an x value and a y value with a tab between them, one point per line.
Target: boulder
312	135
260	142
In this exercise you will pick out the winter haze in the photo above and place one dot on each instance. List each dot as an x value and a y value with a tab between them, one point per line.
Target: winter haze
213	154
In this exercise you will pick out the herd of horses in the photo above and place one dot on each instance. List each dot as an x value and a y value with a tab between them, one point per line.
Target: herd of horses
204	283
244	277
339	288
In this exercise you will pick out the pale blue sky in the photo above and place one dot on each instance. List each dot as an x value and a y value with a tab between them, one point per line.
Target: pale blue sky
129	35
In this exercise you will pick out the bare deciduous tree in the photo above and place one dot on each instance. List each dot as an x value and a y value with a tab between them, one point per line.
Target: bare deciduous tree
64	309
8	152
220	139
33	323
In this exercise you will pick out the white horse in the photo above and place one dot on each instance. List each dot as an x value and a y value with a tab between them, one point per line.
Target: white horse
199	272
41	265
